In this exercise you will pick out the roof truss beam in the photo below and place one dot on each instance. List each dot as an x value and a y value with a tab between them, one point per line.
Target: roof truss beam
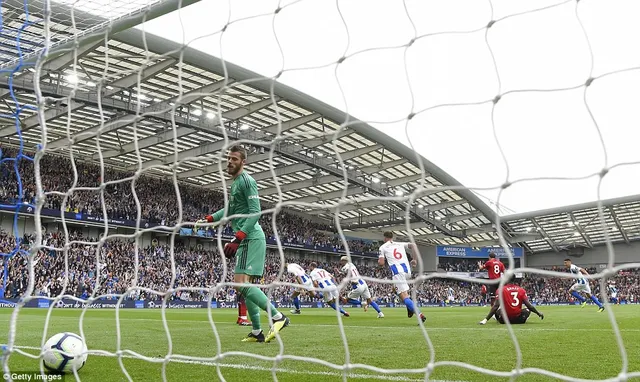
130	80
65	59
404	180
354	206
215	168
34	120
292	123
402	226
614	216
183	155
545	235
330	195
298	185
578	227
400	222
279	171
457	218
180	132
122	83
383	166
444	205
487	228
145	142
130	116
387	215
358	152
327	138
245	110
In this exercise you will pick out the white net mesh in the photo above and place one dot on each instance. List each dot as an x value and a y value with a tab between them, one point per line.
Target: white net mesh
132	129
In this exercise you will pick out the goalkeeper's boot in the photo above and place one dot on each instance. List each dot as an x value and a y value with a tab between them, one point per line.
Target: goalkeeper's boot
583	304
278	325
600	310
243	322
254	337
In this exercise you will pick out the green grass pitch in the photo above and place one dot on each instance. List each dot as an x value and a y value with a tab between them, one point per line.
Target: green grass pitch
576	342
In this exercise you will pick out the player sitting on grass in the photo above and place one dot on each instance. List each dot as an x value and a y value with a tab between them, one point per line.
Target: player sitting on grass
325	281
400	263
582	285
359	287
303	279
514	297
495	268
249	243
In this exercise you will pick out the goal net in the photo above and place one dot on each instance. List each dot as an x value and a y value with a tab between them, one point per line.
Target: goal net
117	119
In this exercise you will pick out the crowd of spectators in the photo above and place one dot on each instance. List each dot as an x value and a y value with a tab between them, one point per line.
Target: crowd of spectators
157	198
112	270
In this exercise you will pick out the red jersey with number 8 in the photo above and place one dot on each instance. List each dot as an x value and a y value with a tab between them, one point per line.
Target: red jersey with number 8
396	256
495	268
513	296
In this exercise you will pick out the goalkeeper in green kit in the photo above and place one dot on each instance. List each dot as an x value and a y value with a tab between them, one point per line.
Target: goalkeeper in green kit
249	245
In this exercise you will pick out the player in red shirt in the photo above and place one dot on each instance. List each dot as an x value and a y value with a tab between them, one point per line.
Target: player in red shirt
495	269
514	297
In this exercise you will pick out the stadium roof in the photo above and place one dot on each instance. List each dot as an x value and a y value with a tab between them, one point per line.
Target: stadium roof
98	95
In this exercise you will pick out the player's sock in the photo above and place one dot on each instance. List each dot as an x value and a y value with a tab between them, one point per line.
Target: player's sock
375	306
254	314
242	308
595	299
577	295
354	302
409	304
333	305
257	296
296	302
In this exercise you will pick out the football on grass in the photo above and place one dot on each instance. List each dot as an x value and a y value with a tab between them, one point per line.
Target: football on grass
64	352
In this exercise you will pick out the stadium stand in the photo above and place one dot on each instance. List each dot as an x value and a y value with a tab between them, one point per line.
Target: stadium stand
157	197
202	268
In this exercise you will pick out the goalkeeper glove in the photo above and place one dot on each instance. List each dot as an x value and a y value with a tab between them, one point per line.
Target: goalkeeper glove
231	247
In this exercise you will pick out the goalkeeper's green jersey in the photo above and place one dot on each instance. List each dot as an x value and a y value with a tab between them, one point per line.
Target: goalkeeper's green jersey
244	199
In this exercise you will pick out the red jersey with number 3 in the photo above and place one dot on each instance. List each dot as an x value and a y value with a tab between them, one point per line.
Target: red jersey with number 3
396	256
495	268
513	296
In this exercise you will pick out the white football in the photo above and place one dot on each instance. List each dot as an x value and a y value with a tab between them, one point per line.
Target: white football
64	352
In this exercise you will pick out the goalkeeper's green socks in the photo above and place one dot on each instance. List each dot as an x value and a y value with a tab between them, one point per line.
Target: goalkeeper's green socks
254	315
255	296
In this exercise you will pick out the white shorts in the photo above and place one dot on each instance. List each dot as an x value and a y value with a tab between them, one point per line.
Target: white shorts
361	291
401	284
306	285
329	294
579	287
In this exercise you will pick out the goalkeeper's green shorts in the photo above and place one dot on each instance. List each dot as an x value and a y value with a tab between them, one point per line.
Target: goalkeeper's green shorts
251	256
